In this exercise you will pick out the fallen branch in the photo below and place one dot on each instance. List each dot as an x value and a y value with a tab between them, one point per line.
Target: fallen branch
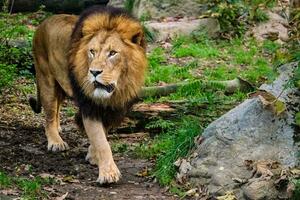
129	135
230	86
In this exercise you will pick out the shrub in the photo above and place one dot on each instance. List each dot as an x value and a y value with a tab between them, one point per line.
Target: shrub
236	15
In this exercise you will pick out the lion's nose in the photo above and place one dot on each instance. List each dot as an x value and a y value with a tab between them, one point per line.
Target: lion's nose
96	72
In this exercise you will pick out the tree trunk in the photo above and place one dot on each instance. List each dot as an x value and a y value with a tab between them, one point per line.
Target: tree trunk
55	6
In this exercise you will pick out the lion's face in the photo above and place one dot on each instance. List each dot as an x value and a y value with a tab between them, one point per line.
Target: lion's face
108	59
106	63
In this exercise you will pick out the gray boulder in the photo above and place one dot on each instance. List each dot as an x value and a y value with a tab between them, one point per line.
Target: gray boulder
156	9
247	132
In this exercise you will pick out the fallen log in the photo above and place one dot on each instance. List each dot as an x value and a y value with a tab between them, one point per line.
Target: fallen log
230	86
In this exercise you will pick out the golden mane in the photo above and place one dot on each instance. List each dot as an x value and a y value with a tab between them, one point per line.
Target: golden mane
131	33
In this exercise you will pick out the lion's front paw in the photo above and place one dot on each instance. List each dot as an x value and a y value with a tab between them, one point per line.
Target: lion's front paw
91	156
108	174
57	144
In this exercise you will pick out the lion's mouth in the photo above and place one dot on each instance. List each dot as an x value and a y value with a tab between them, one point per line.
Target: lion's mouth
108	88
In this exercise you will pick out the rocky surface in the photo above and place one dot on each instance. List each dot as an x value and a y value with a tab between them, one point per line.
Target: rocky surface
184	26
276	28
249	132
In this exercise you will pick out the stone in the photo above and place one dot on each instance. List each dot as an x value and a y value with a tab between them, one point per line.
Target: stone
172	29
156	9
276	26
260	190
247	132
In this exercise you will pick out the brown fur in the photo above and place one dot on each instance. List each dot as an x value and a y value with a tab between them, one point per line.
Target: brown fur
60	47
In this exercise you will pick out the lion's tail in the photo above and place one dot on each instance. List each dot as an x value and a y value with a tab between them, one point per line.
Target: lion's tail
35	103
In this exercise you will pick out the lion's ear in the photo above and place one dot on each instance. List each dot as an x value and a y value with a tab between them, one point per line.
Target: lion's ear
138	38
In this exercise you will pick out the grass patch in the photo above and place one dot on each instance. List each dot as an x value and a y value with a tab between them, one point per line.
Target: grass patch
31	188
5	180
228	59
176	142
160	71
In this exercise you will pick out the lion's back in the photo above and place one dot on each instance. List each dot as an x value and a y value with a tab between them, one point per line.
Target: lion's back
51	45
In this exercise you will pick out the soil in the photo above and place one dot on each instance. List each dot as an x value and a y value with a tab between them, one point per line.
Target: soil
23	152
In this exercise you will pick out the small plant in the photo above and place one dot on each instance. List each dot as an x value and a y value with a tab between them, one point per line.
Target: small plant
129	4
5	180
296	193
7	74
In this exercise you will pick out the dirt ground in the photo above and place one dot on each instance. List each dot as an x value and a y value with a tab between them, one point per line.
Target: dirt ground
23	143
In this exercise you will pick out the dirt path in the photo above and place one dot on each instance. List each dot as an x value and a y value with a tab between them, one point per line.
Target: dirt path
23	143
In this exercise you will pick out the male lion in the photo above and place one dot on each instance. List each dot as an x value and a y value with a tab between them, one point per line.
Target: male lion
99	60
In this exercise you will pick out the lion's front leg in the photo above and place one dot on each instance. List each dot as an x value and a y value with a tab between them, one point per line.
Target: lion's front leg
100	152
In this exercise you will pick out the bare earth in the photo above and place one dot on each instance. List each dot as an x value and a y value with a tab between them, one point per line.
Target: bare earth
23	144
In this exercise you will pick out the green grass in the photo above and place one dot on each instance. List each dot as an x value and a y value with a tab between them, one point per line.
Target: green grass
31	188
160	71
5	180
296	193
176	142
228	59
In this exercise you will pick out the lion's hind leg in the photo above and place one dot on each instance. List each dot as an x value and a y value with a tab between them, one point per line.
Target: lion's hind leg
51	96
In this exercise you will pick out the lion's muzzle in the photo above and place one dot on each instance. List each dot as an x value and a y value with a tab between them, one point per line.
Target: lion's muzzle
108	88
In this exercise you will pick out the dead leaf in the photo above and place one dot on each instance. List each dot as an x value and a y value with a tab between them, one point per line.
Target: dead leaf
262	168
184	166
70	179
198	140
191	192
9	192
270	102
62	197
239	180
229	195
295	171
46	175
143	173
49	189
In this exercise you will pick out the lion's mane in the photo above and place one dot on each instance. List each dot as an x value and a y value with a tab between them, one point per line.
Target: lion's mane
93	20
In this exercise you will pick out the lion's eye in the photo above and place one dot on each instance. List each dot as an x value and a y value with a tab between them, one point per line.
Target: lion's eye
92	52
112	53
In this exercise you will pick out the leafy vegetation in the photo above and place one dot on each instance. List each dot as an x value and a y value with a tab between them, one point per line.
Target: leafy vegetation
15	44
236	15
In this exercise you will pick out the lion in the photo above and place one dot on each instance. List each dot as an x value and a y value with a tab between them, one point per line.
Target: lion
99	60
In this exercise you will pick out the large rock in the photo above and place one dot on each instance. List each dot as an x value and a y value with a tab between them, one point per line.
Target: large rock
274	29
168	8
247	132
185	26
